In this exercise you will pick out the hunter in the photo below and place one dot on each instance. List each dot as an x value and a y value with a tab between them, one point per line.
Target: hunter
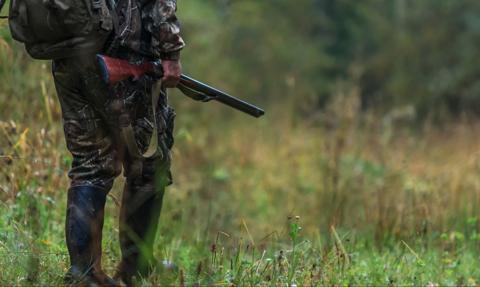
91	114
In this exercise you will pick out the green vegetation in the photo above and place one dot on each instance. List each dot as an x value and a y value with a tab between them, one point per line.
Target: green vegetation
348	180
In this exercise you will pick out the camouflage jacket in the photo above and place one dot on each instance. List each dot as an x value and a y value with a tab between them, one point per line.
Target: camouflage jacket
159	19
151	27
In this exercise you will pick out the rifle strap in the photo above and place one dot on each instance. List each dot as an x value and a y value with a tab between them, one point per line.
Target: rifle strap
129	134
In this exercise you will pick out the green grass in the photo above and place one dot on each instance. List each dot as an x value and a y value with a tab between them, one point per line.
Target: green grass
377	204
33	253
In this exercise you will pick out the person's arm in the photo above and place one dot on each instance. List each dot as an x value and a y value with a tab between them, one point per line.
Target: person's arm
161	22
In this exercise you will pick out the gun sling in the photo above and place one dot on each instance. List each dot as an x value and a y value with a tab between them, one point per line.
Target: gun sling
129	134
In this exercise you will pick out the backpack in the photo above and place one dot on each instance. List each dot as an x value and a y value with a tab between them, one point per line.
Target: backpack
55	29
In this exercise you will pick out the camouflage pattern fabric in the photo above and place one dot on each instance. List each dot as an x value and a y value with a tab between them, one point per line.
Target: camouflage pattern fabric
159	19
90	111
148	27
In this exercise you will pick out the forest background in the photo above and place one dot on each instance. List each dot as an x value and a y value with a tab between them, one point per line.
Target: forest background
365	169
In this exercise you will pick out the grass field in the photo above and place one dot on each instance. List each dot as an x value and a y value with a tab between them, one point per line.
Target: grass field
341	198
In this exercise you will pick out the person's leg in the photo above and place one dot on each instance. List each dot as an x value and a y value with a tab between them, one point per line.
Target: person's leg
94	167
83	230
143	196
139	217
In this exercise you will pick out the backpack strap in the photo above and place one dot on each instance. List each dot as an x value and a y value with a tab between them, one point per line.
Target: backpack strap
120	27
112	7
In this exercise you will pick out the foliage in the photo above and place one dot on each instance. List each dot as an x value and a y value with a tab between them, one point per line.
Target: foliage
399	53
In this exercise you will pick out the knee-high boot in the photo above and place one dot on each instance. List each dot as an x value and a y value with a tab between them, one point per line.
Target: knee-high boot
139	216
83	230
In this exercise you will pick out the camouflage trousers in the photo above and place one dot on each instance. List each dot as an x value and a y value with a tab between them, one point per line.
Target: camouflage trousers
90	111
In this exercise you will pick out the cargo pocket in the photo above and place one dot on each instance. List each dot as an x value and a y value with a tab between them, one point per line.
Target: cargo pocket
83	132
158	167
143	132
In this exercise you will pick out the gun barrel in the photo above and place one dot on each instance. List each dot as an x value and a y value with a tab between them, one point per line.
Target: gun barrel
222	97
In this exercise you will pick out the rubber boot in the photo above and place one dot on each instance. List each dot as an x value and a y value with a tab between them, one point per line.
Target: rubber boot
139	216
83	230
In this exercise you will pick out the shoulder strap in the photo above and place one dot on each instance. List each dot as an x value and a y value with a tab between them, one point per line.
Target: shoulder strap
129	135
117	8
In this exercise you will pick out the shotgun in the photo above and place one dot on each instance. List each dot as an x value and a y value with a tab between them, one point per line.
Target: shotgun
114	70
